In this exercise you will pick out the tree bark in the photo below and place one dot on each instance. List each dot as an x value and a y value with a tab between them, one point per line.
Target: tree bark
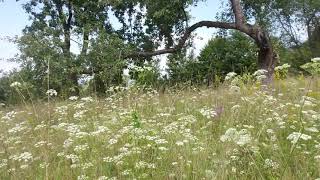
267	58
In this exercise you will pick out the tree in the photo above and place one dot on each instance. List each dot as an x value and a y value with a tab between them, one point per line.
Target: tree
292	20
47	41
185	69
267	58
221	55
234	53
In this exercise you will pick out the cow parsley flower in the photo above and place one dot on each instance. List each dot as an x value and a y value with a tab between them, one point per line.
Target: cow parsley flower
179	143
260	74
207	112
73	98
282	67
3	163
229	135
113	141
25	156
240	138
243	137
82	177
295	136
51	92
230	76
15	84
269	163
315	60
87	99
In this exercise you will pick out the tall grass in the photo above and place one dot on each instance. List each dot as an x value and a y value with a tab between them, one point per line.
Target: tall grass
254	133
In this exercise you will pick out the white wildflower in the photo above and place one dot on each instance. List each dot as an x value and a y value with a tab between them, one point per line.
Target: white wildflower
82	177
74	158
260	74
102	178
10	115
25	157
51	92
87	99
284	66
113	141
73	98
3	163
315	60
207	112
295	136
230	76
82	147
15	84
24	166
312	129
317	157
161	141
241	137
268	163
179	143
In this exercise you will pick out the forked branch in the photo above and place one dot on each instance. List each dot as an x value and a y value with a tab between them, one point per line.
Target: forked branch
239	24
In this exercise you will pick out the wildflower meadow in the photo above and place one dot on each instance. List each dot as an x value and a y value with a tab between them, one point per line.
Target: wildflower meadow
236	131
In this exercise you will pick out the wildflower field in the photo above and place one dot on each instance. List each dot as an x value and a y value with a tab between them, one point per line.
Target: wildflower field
253	132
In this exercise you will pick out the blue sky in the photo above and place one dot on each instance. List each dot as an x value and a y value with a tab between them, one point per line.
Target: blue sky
13	19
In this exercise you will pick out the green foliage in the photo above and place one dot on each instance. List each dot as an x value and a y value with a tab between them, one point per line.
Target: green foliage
23	92
136	120
312	67
281	72
105	60
58	26
235	53
146	76
5	90
182	69
296	57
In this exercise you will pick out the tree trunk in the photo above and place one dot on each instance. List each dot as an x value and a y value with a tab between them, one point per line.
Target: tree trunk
73	77
72	74
267	58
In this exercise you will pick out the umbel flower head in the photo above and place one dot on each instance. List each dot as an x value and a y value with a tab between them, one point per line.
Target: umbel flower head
52	92
282	67
15	84
260	74
230	76
241	137
315	60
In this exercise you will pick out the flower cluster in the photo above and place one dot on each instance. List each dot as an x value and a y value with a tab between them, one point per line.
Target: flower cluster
201	133
208	112
282	67
260	74
241	137
230	76
16	85
51	92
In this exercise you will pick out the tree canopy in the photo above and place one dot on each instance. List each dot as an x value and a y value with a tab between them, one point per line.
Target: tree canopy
70	40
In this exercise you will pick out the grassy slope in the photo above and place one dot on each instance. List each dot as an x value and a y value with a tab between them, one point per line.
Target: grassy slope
190	134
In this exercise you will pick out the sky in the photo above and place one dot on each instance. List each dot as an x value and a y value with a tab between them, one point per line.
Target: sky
13	19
